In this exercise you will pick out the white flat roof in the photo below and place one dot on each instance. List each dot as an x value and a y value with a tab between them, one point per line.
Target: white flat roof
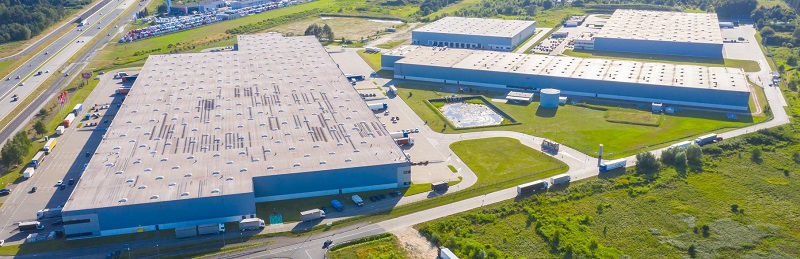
204	124
477	26
662	26
722	78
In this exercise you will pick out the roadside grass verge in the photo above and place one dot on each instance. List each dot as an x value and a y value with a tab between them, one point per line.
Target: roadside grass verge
425	187
391	44
567	124
634	117
378	246
452	168
747	65
743	203
372	59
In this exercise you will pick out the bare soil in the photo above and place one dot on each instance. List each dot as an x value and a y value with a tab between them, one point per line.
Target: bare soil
415	244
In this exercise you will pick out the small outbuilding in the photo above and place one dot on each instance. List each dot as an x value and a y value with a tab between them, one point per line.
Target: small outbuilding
522	97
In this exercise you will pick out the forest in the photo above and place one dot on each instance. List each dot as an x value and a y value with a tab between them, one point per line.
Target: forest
23	19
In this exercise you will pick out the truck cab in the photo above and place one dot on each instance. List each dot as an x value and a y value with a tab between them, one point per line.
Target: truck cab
357	200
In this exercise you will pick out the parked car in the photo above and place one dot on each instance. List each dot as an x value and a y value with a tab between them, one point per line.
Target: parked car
71	181
33	189
62	187
382	196
327	244
59	183
5	191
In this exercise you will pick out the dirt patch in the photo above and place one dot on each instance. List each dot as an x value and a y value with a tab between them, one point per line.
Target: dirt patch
415	244
349	28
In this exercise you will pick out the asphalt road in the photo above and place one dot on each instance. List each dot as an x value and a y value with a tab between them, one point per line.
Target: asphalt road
53	58
63	163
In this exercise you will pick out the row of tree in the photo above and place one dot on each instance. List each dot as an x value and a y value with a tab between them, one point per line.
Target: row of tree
322	33
15	150
679	158
21	20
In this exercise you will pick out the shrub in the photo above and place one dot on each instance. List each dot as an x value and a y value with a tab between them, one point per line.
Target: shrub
755	155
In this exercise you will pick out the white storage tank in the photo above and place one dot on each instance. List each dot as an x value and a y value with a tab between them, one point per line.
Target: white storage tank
549	98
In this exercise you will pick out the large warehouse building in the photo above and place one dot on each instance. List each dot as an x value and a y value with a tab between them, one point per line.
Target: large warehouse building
202	137
660	33
474	33
709	87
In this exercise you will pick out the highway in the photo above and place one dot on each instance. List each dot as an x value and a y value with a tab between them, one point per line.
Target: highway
581	165
62	164
53	58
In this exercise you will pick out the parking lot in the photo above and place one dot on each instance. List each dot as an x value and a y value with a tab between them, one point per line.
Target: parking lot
423	149
556	46
65	162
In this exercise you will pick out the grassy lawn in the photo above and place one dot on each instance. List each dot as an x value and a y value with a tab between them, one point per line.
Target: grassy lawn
747	65
382	248
567	124
425	187
518	162
656	216
553	17
636	117
452	168
760	95
59	244
391	44
372	59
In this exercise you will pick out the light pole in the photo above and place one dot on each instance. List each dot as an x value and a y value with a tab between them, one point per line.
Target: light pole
241	237
129	250
158	252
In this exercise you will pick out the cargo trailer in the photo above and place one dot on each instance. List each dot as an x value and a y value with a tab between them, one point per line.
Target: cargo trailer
613	164
532	187
560	179
310	215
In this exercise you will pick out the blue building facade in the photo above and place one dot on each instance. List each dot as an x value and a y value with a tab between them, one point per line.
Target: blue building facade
675	95
153	216
331	182
671	48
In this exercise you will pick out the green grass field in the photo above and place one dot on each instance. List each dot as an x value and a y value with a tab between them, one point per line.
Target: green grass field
372	59
659	216
391	44
636	117
747	65
518	161
567	124
385	247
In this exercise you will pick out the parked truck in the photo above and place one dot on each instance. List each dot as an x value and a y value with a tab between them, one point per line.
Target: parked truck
49	146
37	159
378	106
398	134
60	130
707	139
77	109
405	141
30	226
560	179
28	173
532	187
251	224
48	213
185	232
613	164
337	205
310	215
69	119
123	90
682	144
357	200
351	77
440	186
211	229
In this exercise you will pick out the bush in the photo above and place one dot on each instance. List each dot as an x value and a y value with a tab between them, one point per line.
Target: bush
755	155
646	163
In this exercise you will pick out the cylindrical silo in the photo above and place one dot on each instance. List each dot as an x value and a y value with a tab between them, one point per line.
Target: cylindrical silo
549	98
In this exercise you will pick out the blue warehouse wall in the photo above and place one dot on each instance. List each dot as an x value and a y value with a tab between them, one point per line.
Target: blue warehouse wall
165	215
387	61
524	35
702	97
705	50
317	183
422	38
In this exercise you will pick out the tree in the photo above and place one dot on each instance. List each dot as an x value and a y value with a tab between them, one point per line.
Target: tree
767	32
42	113
15	150
680	159
694	155
755	155
39	127
668	156
547	4
692	251
791	60
735	8
647	163
578	3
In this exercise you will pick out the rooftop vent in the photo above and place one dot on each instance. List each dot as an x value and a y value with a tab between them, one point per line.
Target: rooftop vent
129	180
154	197
187	175
215	191
185	194
215	172
229	179
270	167
142	187
123	200
159	177
119	172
